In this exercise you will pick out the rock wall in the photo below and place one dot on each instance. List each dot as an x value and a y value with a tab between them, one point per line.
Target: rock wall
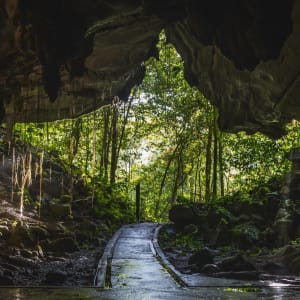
64	58
244	60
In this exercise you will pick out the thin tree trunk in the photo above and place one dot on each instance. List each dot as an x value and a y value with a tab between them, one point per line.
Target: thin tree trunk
215	157
87	145
162	184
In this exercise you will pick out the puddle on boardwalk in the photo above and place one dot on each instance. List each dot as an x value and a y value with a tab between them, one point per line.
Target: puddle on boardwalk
212	293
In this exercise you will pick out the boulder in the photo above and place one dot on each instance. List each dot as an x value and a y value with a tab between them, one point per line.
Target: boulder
237	263
55	277
219	236
5	279
190	229
52	189
283	226
201	258
4	231
20	235
268	237
66	244
182	215
210	269
274	268
39	232
289	256
60	209
241	275
88	225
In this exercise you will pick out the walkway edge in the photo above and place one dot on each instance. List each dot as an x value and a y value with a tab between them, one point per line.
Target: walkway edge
100	276
177	276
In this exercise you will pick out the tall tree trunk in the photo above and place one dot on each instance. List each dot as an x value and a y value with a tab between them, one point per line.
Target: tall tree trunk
208	164
221	165
162	184
87	146
178	176
196	179
215	158
176	184
200	184
114	142
105	143
126	115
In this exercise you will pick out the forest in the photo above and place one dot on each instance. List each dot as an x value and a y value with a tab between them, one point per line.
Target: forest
166	139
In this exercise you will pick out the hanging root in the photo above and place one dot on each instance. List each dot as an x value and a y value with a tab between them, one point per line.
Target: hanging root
26	179
41	181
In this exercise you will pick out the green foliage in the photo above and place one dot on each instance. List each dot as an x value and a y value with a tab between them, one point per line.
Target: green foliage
295	242
246	234
182	240
114	205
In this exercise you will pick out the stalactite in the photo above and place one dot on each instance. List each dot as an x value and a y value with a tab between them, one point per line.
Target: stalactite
23	182
30	169
17	164
26	180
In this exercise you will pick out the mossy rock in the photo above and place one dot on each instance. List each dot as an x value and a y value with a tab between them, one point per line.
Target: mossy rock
59	209
21	235
39	232
245	236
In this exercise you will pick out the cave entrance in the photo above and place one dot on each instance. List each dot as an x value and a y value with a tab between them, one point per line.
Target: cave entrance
166	138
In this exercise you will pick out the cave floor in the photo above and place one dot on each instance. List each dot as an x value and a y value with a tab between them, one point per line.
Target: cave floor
136	273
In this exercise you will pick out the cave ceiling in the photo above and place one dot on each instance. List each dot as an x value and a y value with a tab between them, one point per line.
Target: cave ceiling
64	58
